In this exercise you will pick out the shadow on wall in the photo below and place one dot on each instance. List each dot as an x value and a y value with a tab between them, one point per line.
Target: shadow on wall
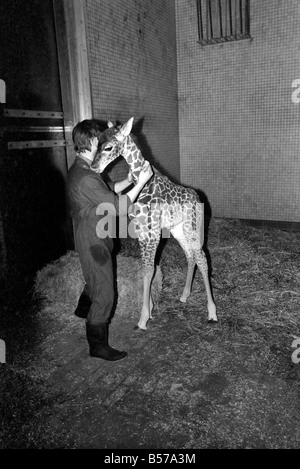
36	230
147	153
36	222
141	140
33	196
146	149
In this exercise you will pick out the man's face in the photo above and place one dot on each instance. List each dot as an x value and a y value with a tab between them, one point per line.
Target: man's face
94	144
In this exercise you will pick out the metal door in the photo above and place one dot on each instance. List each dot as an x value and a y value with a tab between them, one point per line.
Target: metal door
35	223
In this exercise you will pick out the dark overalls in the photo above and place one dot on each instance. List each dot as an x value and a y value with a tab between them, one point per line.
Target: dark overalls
86	190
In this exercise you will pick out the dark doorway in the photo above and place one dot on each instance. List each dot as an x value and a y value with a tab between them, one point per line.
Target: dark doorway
36	225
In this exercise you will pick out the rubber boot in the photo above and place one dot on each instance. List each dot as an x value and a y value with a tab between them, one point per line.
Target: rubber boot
97	336
83	306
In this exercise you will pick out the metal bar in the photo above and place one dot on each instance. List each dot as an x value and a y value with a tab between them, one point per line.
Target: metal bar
65	54
33	114
200	25
241	17
36	144
44	129
247	16
209	18
220	19
235	17
226	18
230	17
207	22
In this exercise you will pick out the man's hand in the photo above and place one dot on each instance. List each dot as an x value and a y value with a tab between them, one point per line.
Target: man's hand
129	176
146	173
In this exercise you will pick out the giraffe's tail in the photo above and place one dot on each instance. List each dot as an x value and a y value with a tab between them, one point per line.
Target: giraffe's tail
199	209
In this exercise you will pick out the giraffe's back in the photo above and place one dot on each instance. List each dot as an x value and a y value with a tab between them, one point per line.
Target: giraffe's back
170	204
161	190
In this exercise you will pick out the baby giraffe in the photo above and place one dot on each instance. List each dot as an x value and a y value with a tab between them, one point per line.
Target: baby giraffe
161	204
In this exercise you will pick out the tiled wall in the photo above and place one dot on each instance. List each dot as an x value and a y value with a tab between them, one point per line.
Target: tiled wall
132	61
239	129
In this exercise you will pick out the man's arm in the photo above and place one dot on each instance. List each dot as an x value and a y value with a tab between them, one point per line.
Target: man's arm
121	185
144	176
96	193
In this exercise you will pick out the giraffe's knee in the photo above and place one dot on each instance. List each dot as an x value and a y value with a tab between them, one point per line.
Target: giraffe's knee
200	256
148	271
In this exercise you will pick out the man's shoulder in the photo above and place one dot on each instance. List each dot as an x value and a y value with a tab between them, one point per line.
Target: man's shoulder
84	175
79	169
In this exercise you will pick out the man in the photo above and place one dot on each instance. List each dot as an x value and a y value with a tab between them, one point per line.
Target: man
86	191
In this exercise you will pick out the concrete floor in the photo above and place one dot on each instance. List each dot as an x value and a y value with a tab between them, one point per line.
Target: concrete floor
177	389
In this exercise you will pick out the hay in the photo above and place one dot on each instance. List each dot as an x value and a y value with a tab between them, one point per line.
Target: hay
130	285
61	282
256	285
255	280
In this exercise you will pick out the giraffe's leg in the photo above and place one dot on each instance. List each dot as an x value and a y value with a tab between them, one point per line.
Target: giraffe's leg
191	244
151	306
188	283
178	234
148	251
202	264
146	308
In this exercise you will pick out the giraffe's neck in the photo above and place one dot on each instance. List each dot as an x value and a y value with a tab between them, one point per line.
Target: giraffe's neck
133	156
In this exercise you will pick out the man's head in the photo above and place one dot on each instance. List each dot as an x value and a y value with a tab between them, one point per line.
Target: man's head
84	133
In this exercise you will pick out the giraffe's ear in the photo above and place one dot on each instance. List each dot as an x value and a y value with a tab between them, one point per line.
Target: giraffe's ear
110	124
126	128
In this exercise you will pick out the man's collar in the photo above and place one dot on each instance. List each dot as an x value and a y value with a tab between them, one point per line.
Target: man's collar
84	160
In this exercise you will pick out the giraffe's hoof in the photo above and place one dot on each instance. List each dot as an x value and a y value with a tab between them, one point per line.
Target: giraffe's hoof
212	321
183	300
137	328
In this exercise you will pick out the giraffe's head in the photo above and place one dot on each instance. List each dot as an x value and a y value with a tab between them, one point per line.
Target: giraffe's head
110	145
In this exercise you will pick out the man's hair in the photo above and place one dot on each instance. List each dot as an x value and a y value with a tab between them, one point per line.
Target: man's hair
83	133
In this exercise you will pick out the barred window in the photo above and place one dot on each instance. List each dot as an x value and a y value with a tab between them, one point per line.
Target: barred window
221	21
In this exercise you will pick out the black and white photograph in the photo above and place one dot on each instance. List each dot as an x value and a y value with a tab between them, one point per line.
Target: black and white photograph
149	228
